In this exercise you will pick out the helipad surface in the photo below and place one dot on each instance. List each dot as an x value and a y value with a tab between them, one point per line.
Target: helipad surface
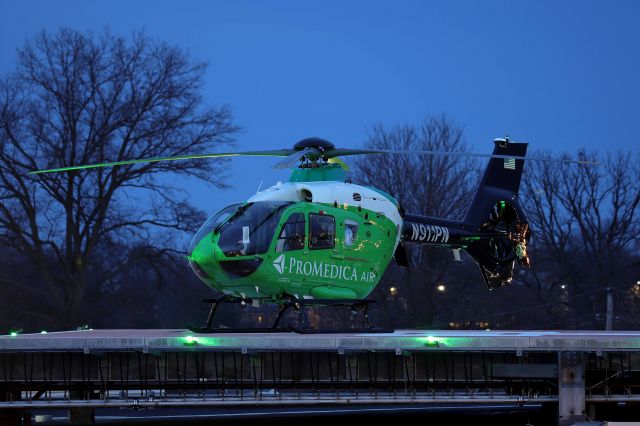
409	340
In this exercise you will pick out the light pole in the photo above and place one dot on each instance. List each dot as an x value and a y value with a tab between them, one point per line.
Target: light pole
609	321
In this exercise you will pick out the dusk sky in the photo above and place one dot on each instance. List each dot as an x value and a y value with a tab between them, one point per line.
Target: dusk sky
557	74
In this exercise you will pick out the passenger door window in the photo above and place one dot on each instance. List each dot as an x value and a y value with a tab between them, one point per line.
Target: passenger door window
322	231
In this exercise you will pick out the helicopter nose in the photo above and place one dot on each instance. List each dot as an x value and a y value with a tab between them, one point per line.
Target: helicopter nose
208	262
198	270
201	257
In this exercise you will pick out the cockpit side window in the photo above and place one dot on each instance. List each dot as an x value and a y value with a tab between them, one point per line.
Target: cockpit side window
322	231
292	234
250	230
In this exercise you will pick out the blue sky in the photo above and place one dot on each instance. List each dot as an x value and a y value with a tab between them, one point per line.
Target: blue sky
558	74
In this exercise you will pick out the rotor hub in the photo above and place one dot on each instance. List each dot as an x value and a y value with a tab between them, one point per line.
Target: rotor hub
318	143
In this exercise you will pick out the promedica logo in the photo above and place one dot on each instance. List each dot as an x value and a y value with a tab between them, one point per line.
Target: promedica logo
279	264
321	269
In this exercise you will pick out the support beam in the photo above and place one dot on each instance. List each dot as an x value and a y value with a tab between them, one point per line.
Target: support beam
571	388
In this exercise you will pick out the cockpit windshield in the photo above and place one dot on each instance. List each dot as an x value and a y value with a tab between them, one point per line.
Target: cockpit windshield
211	224
251	228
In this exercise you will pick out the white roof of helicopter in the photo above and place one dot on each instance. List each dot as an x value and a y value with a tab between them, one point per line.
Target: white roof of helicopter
328	192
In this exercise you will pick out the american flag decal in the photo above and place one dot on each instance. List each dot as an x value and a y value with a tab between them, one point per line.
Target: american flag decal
510	163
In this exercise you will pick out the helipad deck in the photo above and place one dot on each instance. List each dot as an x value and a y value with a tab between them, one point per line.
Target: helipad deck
403	340
577	370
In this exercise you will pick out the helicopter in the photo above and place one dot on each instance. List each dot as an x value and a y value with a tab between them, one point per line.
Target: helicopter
319	239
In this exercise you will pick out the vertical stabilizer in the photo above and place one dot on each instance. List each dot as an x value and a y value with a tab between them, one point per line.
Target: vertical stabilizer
500	182
495	210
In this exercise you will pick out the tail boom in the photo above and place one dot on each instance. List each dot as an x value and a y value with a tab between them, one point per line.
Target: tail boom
494	231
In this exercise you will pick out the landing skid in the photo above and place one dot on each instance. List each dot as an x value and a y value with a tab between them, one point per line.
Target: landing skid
299	306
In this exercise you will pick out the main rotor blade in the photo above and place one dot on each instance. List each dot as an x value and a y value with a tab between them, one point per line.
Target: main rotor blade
294	156
346	151
271	153
337	152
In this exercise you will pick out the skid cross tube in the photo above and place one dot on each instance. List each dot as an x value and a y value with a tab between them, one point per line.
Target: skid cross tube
299	306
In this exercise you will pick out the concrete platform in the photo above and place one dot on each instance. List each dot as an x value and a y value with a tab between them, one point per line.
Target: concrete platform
172	340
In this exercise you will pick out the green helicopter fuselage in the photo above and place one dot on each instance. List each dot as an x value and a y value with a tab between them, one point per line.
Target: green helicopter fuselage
324	239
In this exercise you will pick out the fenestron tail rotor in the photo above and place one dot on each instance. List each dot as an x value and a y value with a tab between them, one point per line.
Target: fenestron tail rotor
308	153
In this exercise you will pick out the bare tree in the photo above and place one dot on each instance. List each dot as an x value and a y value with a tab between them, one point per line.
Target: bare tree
586	228
428	185
80	99
585	236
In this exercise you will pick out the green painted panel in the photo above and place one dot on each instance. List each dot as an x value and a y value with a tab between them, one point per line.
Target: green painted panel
328	172
323	292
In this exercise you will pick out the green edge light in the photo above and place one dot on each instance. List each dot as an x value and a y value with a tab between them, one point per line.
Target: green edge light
430	341
190	341
205	341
